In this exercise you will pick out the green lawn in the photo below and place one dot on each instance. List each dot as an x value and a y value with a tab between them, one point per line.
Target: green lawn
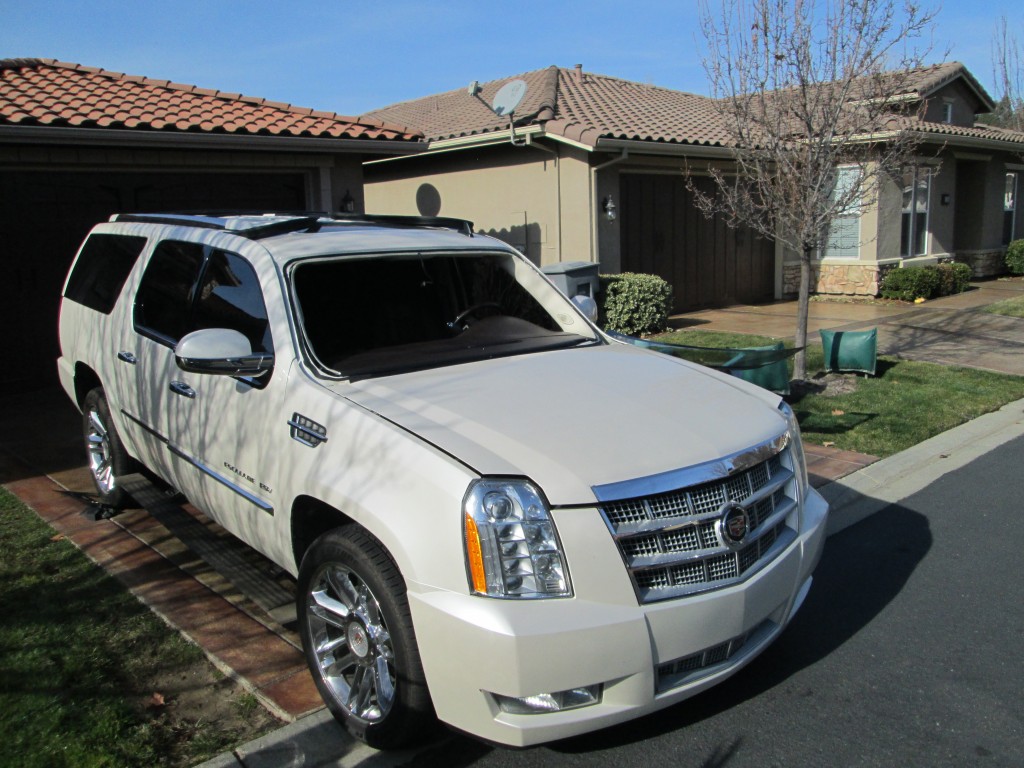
1009	307
81	659
906	403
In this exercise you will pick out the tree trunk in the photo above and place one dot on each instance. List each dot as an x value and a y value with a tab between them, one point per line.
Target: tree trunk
803	306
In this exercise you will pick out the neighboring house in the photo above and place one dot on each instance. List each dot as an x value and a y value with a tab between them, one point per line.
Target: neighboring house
79	143
595	169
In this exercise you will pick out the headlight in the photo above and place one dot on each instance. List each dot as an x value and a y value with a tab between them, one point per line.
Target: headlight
512	548
796	447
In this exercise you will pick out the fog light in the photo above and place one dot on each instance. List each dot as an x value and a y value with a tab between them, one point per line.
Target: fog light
542	703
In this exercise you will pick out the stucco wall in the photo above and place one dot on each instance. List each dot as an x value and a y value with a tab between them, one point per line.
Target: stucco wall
509	192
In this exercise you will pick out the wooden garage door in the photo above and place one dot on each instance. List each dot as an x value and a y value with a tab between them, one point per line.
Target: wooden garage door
707	263
46	216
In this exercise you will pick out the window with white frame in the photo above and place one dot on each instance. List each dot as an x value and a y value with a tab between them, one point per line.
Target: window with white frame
1010	208
947	112
844	231
917	183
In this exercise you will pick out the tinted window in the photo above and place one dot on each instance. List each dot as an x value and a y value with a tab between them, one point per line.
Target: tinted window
168	305
101	269
163	303
230	297
377	316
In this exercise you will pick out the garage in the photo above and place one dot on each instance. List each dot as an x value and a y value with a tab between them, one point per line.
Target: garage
707	263
48	215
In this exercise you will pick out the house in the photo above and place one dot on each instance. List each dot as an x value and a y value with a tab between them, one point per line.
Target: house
594	168
79	143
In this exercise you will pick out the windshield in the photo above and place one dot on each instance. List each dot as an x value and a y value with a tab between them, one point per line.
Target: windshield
367	316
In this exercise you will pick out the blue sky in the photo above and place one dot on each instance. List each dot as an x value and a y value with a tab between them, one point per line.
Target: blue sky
351	57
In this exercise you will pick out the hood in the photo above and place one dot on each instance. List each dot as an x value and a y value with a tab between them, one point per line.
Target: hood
574	419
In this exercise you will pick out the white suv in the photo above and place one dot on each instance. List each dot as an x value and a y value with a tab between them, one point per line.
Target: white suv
497	515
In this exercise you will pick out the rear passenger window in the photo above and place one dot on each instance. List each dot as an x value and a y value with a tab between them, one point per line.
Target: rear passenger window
101	270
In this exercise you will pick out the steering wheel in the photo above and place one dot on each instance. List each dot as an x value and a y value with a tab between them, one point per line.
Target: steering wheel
459	318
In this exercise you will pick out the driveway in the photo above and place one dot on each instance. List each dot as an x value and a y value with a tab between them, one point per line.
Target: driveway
951	331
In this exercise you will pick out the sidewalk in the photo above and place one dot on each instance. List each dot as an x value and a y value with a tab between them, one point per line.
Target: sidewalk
950	331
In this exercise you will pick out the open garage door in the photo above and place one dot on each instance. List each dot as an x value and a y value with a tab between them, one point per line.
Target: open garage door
47	214
706	263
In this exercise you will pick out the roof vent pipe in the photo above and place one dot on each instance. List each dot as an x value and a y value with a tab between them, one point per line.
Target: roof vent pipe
577	72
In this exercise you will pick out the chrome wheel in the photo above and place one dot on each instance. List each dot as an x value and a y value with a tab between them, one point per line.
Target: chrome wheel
100	453
351	643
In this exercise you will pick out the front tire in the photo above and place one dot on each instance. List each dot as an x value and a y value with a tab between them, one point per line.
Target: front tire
358	639
106	454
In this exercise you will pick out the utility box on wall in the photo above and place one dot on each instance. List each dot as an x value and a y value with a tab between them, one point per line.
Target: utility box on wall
574	278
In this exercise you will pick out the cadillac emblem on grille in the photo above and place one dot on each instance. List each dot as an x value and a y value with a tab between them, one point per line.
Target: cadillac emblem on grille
734	524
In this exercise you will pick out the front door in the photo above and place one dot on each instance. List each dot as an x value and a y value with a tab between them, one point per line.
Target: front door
215	426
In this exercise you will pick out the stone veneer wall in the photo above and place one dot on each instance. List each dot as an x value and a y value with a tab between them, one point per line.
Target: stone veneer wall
984	263
849	279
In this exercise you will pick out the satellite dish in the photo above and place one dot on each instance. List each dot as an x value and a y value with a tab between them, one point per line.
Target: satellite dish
508	97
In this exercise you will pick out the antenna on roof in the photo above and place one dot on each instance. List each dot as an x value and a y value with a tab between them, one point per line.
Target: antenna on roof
505	102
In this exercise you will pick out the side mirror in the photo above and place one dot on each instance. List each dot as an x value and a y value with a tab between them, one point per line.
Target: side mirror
220	351
587	306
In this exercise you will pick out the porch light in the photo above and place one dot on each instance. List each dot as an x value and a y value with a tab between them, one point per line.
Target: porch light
609	208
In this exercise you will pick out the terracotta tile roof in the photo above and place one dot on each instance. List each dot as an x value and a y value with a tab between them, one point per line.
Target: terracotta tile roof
586	107
47	92
578	105
977	131
925	81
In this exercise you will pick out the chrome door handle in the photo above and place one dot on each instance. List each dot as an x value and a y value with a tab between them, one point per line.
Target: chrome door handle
127	357
183	389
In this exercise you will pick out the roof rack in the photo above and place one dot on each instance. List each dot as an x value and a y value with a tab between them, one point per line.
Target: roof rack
287	222
290	221
445	222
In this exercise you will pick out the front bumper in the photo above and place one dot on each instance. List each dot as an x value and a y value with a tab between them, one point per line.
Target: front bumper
473	647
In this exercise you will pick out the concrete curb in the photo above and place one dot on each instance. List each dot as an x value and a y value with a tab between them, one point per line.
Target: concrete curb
869	490
317	740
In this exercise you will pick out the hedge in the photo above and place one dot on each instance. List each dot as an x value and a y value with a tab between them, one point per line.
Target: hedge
634	304
1015	257
910	283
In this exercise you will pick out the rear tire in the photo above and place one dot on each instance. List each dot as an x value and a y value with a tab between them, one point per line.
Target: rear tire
359	642
106	454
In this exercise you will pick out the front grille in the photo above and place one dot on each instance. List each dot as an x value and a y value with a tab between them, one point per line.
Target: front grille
672	542
678	672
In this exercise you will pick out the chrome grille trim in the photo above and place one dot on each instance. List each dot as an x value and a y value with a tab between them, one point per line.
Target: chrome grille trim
672	544
687	669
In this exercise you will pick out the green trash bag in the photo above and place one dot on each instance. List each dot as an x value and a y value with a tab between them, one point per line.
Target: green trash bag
850	351
773	377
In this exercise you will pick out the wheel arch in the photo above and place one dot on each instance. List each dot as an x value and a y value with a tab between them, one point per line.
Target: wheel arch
86	380
310	519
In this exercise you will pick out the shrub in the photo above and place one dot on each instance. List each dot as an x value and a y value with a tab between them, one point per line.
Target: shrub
911	283
634	304
1015	257
953	278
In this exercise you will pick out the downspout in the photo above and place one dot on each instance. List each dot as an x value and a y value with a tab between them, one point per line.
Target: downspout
558	184
594	216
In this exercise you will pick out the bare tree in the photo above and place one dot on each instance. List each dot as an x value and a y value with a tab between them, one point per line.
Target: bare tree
1008	73
805	88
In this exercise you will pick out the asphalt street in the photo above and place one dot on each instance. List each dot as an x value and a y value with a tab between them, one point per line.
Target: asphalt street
908	652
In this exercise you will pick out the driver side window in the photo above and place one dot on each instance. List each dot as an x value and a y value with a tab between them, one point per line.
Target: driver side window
188	286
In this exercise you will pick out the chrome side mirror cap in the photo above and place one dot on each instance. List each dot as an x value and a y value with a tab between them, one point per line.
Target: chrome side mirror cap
222	352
